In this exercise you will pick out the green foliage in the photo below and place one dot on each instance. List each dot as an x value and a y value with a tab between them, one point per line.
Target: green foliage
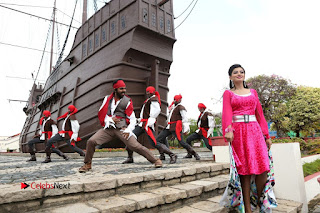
274	93
311	168
315	151
309	147
312	147
218	119
303	146
280	121
218	124
111	150
304	110
193	126
291	140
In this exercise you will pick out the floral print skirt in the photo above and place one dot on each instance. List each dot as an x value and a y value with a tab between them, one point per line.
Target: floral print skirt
232	197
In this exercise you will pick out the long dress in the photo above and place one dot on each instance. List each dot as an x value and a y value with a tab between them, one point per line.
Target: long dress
248	150
249	143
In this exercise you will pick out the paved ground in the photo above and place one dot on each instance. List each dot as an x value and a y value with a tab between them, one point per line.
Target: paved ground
108	173
15	169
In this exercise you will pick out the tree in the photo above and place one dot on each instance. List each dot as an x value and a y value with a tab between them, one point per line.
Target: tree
304	110
274	92
193	126
282	121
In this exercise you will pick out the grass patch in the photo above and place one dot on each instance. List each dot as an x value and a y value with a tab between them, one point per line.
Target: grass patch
311	168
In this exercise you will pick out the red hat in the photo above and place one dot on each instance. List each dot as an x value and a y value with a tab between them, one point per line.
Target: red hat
151	89
202	106
72	109
177	97
120	83
45	113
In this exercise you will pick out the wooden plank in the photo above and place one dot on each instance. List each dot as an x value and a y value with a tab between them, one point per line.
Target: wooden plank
75	90
61	99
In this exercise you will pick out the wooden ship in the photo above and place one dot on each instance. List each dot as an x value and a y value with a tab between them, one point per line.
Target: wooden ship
128	39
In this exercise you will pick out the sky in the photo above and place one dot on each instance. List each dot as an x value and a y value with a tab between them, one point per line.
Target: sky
265	36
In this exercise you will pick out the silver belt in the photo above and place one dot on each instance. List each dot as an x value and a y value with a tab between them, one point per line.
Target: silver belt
244	118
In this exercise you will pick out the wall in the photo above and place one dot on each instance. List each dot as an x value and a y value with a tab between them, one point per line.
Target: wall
310	159
11	143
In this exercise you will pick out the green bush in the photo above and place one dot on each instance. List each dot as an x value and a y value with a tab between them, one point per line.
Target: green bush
309	147
311	168
288	140
111	150
315	151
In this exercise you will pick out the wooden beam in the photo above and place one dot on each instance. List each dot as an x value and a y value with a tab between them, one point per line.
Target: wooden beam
162	2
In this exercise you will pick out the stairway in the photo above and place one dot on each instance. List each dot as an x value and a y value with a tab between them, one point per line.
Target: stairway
195	189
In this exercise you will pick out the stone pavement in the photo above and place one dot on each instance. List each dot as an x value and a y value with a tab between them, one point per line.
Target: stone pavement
15	169
187	186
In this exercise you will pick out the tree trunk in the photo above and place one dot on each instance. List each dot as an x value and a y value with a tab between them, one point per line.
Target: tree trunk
277	129
280	133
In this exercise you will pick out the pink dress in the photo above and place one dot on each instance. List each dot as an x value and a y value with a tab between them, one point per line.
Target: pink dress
249	146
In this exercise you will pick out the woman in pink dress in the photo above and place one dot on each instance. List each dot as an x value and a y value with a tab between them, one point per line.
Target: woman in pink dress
245	127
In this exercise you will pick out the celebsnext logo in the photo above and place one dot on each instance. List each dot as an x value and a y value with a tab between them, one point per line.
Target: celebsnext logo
46	185
24	185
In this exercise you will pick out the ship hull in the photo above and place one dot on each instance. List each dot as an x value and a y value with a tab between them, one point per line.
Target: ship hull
139	55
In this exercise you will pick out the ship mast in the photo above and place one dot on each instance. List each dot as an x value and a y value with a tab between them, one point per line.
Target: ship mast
53	21
84	12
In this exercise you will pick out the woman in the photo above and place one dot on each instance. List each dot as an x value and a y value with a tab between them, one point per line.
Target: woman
245	127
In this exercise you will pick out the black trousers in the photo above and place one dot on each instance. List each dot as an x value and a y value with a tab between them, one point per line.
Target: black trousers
196	136
37	140
58	138
162	138
139	131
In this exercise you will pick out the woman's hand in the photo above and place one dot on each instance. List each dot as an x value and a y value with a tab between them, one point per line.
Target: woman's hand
229	136
269	143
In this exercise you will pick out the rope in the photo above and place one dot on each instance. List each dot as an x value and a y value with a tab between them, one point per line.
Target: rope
50	25
65	42
184	10
35	16
95	6
58	40
187	15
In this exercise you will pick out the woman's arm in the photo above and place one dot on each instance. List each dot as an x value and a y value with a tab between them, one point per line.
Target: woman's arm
227	117
260	117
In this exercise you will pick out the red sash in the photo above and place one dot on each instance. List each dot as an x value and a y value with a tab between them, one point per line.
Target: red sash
204	132
127	119
148	130
70	134
178	128
49	134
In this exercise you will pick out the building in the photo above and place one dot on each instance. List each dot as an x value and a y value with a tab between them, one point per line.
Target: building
9	143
